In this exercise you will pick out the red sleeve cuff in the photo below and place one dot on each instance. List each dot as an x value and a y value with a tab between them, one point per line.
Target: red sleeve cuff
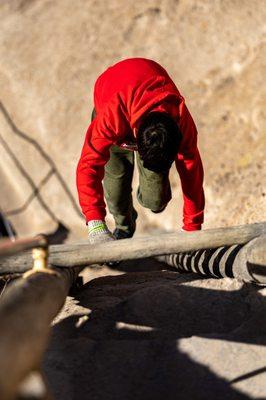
95	215
190	228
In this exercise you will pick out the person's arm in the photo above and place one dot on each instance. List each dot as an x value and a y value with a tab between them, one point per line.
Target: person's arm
190	169
103	132
90	171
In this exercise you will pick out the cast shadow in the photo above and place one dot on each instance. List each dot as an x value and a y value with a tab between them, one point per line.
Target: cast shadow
35	189
129	347
142	265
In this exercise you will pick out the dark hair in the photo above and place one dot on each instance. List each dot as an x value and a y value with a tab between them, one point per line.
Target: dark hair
158	141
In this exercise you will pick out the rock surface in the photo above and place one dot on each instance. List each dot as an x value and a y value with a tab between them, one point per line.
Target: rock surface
52	52
156	334
150	334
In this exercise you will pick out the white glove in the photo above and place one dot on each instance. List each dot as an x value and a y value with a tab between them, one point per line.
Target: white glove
98	232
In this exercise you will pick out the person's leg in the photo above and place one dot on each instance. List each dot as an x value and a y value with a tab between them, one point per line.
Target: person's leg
154	191
117	185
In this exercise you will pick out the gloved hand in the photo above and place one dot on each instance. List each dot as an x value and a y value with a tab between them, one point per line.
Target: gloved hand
98	232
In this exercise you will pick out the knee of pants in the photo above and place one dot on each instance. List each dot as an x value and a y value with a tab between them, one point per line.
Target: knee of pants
154	201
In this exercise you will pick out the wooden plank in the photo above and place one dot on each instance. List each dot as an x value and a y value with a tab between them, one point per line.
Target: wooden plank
27	309
70	255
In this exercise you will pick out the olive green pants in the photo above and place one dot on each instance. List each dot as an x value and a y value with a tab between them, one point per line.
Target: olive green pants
154	190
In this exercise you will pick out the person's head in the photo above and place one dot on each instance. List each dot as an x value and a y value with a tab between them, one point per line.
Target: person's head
158	141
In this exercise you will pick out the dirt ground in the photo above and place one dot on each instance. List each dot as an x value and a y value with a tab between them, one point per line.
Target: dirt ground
141	331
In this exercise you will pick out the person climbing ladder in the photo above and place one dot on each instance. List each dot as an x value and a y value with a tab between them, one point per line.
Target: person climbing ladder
138	109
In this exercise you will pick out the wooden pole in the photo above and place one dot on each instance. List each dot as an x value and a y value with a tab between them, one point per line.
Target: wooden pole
9	247
250	262
27	309
244	262
140	247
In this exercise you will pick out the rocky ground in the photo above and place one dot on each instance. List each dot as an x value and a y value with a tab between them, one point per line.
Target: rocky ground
151	333
51	54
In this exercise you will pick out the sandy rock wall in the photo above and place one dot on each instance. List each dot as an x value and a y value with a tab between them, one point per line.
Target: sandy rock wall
52	52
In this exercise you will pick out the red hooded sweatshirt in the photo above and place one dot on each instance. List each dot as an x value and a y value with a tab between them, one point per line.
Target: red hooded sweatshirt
123	95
